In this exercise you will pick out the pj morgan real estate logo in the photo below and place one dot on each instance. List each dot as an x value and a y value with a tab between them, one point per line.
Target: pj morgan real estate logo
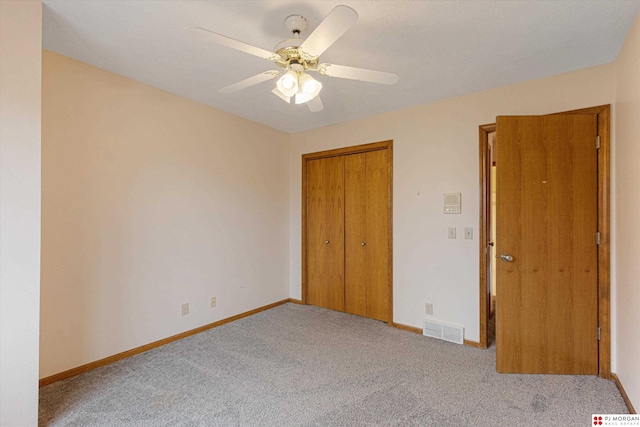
626	420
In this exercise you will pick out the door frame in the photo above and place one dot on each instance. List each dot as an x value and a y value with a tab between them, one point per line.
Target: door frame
376	146
604	206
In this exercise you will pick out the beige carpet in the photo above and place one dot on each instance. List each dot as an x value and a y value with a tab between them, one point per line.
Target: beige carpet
305	366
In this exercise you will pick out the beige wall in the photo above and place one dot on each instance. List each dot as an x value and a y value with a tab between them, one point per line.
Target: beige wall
627	213
20	75
150	201
436	152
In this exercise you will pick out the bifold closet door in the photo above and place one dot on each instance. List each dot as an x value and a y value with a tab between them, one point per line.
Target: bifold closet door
325	241
367	290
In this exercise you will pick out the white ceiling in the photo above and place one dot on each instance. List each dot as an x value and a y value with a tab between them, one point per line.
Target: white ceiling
440	49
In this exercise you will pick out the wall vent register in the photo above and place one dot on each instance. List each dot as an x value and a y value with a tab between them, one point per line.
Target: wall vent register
443	331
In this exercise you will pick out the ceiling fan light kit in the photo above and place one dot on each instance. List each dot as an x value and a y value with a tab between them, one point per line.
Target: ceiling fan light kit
297	57
298	84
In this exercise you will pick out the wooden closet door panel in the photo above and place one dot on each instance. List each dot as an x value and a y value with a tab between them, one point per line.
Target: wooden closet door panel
355	230
377	235
325	244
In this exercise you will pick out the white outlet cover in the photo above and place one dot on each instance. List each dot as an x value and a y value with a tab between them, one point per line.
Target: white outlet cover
428	308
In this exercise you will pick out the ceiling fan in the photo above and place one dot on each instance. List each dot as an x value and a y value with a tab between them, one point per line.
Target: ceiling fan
296	57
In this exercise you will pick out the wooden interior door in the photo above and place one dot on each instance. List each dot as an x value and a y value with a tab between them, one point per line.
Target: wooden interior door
325	239
367	289
547	278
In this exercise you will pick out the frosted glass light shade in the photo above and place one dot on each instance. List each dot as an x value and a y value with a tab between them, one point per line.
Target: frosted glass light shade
277	92
301	98
288	84
309	86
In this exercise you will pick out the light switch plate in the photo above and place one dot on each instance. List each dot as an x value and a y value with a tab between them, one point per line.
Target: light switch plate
468	233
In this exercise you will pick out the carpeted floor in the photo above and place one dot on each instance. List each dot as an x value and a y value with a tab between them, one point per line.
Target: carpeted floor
306	366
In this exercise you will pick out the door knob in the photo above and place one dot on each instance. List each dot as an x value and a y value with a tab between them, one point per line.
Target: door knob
362	244
326	242
506	257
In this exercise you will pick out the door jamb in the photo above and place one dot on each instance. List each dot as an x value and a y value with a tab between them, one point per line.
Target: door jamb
382	145
604	207
485	287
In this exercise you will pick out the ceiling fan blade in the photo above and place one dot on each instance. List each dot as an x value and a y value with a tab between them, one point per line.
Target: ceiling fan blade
258	78
238	45
315	104
337	22
362	74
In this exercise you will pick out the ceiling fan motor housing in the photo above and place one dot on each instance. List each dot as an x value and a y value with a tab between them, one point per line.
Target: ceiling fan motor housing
292	57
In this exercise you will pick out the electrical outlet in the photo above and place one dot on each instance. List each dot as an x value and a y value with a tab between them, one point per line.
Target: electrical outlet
428	308
185	308
212	302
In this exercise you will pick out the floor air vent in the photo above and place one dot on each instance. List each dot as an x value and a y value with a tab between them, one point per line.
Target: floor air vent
443	331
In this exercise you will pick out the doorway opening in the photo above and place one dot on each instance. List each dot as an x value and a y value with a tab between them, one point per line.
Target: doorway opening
491	235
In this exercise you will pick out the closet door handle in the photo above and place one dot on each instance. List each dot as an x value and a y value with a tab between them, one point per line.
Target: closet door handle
326	242
362	244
